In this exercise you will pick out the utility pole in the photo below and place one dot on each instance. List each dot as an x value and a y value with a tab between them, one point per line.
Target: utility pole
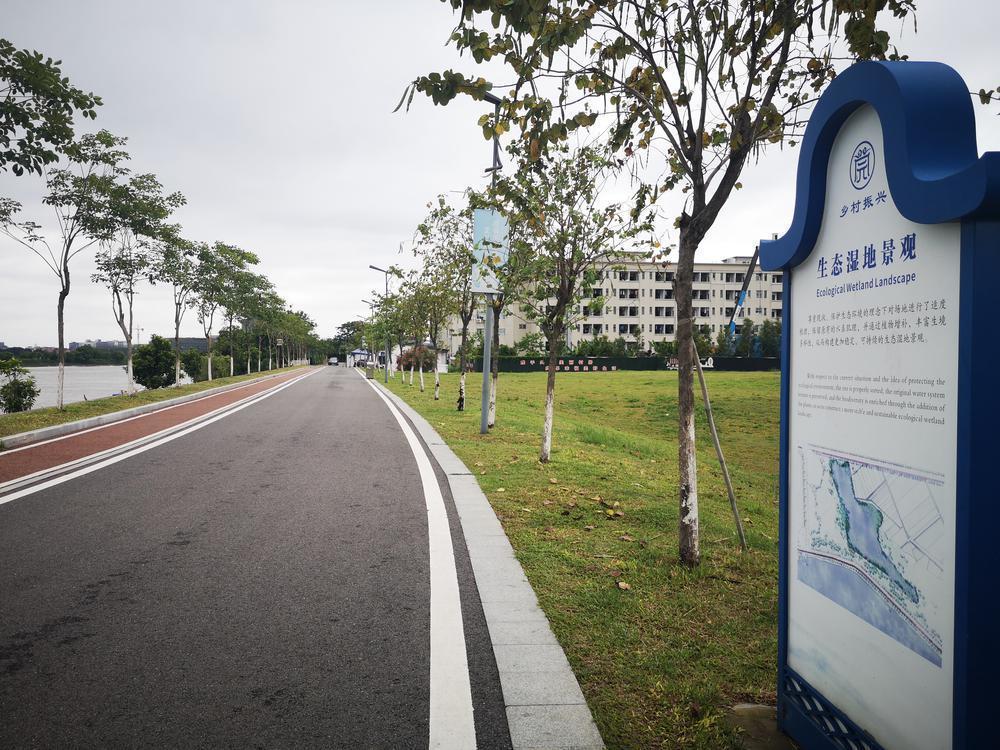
484	424
382	270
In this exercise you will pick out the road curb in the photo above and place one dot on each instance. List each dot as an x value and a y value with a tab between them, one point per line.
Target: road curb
542	698
21	439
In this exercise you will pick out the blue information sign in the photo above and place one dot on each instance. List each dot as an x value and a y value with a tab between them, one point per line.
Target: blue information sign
888	610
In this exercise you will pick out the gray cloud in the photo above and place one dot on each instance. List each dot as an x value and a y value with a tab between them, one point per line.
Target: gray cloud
274	119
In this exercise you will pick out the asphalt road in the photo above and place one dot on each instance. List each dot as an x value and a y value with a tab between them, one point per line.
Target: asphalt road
260	582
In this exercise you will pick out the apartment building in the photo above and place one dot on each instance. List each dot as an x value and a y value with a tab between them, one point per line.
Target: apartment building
639	303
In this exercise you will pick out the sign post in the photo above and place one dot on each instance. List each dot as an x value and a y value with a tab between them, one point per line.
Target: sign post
888	607
490	245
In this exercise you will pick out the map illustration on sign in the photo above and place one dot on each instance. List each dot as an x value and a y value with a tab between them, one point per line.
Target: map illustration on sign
874	542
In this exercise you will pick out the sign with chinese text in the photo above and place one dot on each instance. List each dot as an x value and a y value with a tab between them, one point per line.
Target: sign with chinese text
871	494
880	646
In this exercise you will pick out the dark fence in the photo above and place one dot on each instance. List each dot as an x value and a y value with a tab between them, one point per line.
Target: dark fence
577	364
746	364
612	364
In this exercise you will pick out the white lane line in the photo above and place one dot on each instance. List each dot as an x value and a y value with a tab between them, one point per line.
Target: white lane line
29	446
451	721
124	446
225	412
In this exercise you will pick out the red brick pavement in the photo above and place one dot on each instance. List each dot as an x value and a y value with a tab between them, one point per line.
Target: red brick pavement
21	462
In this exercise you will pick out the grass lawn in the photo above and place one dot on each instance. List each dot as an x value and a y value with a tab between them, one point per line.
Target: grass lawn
11	424
661	660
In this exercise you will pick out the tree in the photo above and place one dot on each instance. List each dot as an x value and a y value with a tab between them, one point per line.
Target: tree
532	344
37	106
83	194
444	243
347	338
242	290
696	87
126	257
194	363
175	263
218	269
568	239
17	391
154	363
745	341
770	338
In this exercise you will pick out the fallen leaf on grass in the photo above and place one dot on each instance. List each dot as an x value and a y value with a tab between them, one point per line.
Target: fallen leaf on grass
623	586
501	489
553	481
546	502
626	538
588	528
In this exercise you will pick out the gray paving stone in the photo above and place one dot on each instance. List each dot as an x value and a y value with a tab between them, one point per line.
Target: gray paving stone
509	593
556	688
552	727
522	633
519	658
512	612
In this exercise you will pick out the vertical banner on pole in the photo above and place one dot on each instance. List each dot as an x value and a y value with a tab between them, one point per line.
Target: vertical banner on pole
887	606
491	248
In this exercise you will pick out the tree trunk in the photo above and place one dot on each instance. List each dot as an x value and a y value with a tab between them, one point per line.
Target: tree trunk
550	393
437	383
462	363
687	464
177	357
258	353
60	309
421	374
128	366
411	373
208	343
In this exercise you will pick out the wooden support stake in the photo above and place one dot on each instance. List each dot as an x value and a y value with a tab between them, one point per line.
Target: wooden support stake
718	448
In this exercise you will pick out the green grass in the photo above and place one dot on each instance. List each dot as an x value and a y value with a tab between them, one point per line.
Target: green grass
12	424
660	662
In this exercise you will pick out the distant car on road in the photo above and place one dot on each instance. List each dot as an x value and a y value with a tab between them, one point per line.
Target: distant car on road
332	361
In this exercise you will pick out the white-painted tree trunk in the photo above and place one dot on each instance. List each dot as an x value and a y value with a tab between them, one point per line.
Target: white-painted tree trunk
61	385
491	418
130	387
437	385
550	393
232	365
461	391
421	376
411	374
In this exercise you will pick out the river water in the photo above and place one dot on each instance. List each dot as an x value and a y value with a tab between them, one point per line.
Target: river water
82	381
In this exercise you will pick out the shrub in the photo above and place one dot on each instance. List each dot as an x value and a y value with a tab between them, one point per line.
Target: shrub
153	363
17	391
193	363
414	355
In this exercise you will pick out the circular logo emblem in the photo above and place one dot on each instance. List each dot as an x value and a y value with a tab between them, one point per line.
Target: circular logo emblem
862	164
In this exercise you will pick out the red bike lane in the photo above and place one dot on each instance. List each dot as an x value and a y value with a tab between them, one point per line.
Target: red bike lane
22	462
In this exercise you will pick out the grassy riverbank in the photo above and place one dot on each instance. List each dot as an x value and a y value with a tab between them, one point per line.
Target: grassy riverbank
12	424
661	651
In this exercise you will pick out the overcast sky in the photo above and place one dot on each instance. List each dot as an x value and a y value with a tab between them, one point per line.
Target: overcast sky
274	118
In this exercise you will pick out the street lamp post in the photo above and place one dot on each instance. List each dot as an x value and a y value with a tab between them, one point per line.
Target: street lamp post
484	416
382	270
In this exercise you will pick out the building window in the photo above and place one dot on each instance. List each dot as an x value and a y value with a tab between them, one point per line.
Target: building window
522	326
